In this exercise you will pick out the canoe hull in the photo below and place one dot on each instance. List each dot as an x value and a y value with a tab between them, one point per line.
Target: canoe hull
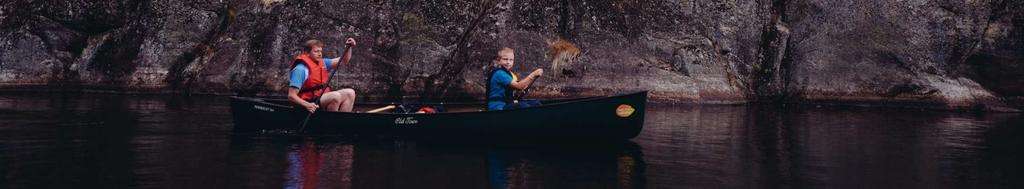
618	117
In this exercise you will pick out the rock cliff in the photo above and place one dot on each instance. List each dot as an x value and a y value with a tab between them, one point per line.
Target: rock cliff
930	53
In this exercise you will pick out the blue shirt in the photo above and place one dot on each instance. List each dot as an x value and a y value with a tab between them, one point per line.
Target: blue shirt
300	72
500	81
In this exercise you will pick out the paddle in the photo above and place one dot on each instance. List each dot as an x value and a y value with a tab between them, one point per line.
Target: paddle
527	89
385	108
322	92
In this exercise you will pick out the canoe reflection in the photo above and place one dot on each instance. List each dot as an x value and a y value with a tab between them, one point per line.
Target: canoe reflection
407	164
573	166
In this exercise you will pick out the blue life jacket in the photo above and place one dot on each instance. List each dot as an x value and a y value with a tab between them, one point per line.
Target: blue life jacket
509	95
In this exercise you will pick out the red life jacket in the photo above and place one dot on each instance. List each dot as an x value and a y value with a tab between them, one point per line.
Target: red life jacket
316	81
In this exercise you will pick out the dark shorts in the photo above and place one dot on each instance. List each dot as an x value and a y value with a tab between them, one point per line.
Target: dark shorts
522	104
315	100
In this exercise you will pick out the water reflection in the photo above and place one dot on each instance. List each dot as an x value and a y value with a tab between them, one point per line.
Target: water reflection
347	163
769	146
118	141
109	141
307	162
616	165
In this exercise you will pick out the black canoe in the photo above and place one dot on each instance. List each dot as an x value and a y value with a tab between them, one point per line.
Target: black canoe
609	117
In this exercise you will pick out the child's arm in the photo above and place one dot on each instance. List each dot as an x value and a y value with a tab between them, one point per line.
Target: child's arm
522	84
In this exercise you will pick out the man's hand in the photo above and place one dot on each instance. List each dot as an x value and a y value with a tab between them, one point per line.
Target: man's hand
350	42
346	54
311	107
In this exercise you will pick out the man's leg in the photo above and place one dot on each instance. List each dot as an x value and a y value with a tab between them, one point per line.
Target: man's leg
331	101
347	99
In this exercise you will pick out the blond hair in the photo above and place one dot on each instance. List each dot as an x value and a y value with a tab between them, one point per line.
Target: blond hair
310	44
504	50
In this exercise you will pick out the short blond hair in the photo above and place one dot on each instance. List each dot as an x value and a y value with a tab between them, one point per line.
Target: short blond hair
504	50
310	44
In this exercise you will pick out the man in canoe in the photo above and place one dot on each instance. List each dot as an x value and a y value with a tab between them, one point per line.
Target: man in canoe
502	83
309	77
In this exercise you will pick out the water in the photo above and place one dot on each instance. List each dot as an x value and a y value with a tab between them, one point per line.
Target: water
114	141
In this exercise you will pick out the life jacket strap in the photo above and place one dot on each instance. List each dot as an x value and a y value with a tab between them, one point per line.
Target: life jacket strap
317	87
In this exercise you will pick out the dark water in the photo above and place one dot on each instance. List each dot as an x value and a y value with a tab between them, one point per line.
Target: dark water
112	141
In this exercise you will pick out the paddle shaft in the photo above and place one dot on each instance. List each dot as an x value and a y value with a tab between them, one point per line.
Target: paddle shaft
322	91
385	108
527	89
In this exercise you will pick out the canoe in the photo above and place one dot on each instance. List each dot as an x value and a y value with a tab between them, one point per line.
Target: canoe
605	117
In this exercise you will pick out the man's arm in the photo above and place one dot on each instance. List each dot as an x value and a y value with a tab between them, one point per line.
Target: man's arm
295	80
346	56
293	96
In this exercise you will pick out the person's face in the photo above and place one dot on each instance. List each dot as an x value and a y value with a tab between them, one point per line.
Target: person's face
317	53
506	60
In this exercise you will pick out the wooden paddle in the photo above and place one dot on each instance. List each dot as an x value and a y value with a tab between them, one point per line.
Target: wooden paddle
527	89
381	109
305	121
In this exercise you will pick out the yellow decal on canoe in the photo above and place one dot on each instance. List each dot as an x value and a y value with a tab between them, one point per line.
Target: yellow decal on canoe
624	110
